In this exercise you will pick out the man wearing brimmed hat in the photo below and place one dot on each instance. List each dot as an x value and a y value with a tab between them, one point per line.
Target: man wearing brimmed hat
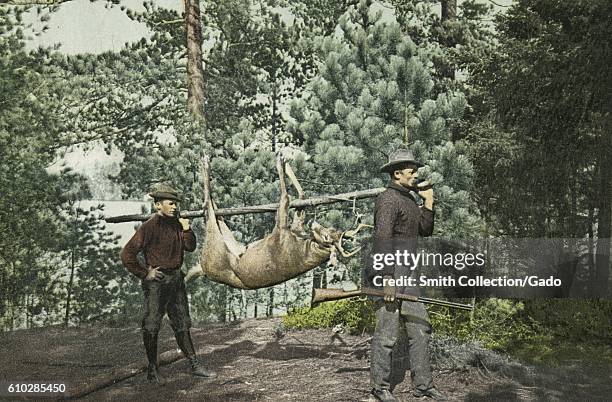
398	220
162	240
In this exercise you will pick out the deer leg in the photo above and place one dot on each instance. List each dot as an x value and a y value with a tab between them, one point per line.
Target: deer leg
294	181
208	205
283	207
194	272
218	223
220	249
298	219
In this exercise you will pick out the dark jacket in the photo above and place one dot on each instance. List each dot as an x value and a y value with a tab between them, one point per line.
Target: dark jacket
162	241
397	215
398	220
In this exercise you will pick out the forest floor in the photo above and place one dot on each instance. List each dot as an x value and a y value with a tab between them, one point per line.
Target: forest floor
257	360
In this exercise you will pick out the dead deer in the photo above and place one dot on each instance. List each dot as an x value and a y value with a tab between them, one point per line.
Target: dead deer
282	255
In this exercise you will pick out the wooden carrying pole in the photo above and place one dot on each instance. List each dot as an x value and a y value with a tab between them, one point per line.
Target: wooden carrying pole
256	209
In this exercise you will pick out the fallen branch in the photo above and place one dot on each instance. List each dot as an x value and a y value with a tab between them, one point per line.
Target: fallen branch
362	343
104	380
256	209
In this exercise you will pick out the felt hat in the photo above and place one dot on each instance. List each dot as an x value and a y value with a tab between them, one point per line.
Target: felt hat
399	157
165	192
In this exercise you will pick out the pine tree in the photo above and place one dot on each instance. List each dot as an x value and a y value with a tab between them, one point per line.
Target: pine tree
375	94
453	39
543	105
36	205
94	269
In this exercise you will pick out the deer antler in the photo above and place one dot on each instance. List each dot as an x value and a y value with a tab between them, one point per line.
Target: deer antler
352	232
341	249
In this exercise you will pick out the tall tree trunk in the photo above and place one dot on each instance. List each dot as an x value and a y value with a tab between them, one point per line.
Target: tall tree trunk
449	10
195	69
604	216
13	296
319	278
591	261
243	304
3	275
274	130
255	312
270	310
12	321
221	307
70	282
602	261
27	310
285	296
449	15
573	229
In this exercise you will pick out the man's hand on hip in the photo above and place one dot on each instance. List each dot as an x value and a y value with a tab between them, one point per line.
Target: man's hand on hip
154	274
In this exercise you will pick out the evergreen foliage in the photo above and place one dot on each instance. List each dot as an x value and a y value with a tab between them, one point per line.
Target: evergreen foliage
373	93
543	100
517	140
38	209
541	97
452	45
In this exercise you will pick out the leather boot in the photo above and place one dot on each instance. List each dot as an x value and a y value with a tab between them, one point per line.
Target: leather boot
183	338
383	395
432	393
150	344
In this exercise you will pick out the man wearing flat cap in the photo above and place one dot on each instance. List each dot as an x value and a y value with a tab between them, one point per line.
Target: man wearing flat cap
398	220
163	240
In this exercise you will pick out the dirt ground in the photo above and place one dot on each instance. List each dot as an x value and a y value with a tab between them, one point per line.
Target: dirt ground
257	360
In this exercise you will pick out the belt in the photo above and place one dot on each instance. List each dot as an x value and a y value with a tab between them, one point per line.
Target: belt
169	271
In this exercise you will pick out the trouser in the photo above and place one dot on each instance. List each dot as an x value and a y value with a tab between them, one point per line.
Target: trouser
389	318
167	295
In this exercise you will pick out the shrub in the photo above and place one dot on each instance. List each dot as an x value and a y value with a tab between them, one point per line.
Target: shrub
356	316
498	324
546	330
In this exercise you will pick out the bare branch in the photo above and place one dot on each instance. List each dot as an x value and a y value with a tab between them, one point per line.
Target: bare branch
497	4
169	22
32	2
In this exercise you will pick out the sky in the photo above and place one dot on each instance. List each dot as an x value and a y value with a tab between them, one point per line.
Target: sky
82	26
115	208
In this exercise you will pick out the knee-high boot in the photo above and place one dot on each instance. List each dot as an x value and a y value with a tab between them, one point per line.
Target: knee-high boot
183	338
150	344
